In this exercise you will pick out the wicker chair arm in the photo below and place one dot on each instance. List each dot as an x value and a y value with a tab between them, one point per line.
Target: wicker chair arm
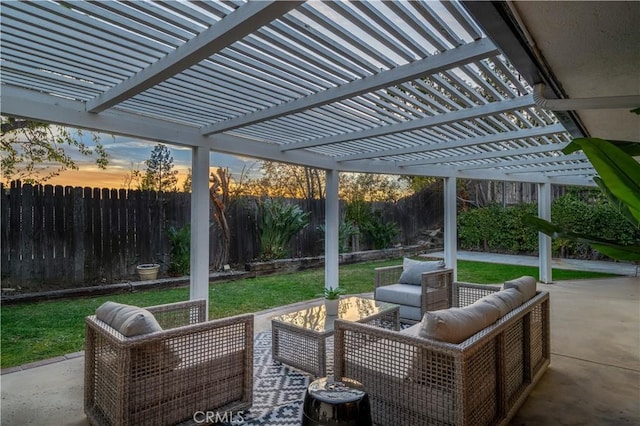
180	313
436	290
387	275
464	294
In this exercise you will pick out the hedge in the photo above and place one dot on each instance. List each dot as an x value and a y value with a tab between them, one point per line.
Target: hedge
501	229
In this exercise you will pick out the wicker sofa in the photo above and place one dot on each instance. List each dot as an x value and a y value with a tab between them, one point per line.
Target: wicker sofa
482	380
165	377
429	293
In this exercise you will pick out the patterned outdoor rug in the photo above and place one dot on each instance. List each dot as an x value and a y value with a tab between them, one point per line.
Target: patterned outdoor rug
278	390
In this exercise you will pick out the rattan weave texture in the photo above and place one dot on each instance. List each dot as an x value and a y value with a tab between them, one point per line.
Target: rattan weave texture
165	377
417	381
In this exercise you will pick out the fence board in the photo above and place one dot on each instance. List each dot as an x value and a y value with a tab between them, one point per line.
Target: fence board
15	228
105	242
48	261
27	231
5	247
58	235
68	259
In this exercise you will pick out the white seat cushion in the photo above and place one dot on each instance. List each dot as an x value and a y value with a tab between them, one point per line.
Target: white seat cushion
400	294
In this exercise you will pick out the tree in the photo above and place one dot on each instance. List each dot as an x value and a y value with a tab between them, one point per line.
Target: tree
35	152
289	181
160	175
371	187
418	183
132	177
186	185
219	195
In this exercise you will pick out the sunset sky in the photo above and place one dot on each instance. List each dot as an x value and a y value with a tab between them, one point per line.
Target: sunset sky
125	153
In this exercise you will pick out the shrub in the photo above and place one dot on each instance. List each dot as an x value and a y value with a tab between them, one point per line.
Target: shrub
502	229
180	251
279	222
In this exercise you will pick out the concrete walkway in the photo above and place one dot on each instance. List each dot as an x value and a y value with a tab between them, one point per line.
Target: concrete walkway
618	268
594	378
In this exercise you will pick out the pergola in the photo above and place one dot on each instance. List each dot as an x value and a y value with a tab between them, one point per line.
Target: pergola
444	89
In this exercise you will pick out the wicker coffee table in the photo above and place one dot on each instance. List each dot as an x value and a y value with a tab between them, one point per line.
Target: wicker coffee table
299	338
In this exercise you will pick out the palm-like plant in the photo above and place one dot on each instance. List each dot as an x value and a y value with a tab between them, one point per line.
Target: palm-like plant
279	222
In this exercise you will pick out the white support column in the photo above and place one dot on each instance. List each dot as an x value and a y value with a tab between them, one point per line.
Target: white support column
331	226
450	226
199	281
544	241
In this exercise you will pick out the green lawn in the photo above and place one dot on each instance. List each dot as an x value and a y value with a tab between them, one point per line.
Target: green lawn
36	331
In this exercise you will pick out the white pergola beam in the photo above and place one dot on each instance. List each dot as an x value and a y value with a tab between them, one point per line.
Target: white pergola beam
498	137
243	21
450	59
441	119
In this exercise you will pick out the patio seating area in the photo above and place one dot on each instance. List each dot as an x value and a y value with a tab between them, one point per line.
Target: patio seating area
593	378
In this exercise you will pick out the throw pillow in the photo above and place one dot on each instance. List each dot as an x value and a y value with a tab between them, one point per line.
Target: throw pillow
455	325
128	320
412	270
526	285
496	302
512	297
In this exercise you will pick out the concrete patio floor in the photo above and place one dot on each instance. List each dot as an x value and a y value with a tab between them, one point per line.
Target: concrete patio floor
594	377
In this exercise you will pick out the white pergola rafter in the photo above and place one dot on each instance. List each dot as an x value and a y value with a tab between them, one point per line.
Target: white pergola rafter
499	137
422	123
491	155
432	64
547	159
242	21
584	165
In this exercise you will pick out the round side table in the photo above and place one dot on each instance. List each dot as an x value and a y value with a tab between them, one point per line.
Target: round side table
331	403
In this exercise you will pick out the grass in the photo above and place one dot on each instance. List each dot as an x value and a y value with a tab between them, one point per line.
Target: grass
36	331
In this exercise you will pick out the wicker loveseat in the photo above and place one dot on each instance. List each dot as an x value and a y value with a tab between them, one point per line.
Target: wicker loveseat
165	377
483	380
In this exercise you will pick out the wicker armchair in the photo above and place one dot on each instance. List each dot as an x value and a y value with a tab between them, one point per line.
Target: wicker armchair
165	377
414	301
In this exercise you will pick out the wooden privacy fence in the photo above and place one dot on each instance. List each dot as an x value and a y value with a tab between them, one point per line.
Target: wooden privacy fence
71	236
62	237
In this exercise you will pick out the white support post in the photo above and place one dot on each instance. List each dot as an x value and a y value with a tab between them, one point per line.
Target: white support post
450	226
331	226
199	280
544	241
